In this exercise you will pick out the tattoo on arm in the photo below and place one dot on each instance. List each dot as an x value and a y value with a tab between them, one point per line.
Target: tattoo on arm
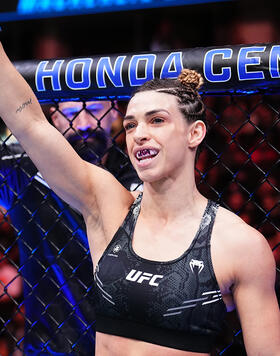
23	106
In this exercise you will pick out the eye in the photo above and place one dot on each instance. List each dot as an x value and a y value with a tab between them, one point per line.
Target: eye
92	111
95	108
129	126
70	112
157	120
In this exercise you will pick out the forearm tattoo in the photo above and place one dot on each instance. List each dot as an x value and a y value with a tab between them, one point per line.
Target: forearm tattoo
23	106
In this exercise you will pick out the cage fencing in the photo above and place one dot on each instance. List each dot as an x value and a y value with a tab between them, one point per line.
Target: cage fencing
46	272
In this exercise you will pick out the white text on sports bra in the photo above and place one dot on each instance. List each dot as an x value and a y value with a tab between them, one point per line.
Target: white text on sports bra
139	277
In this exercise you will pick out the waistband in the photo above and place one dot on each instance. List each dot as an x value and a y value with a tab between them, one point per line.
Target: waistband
174	339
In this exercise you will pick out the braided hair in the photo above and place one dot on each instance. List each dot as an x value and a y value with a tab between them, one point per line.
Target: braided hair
185	89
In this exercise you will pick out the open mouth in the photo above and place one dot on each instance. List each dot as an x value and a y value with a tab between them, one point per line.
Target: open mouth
146	154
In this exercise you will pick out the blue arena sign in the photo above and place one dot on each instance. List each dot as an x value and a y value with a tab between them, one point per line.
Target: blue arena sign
29	6
140	69
31	9
247	68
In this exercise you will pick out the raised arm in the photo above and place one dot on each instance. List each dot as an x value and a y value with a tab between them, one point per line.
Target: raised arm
254	295
83	185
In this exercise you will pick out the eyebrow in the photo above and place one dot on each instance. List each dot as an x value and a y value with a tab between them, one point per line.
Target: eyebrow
148	113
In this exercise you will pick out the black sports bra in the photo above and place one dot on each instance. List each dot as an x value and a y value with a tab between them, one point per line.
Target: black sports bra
176	304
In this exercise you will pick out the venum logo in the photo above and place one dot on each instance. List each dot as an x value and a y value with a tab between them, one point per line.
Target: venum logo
139	277
198	264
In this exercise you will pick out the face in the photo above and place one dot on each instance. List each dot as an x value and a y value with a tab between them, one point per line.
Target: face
87	129
157	136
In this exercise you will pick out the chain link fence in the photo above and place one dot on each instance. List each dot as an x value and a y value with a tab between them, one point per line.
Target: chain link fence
46	280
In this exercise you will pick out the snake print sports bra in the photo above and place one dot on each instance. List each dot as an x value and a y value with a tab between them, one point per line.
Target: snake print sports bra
176	304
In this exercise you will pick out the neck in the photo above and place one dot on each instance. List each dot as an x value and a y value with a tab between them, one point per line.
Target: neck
172	198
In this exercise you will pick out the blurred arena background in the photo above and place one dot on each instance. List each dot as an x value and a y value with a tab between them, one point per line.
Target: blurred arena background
240	164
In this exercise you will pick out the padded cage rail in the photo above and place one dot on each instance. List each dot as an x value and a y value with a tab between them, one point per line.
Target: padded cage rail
46	280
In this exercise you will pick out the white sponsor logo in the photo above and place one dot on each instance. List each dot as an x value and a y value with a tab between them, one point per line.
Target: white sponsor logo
139	277
117	248
198	264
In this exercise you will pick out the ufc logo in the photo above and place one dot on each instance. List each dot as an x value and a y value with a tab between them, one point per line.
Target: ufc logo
139	277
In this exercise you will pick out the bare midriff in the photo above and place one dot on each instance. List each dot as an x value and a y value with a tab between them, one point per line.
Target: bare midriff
111	345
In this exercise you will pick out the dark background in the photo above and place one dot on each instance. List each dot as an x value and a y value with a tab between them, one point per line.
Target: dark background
133	31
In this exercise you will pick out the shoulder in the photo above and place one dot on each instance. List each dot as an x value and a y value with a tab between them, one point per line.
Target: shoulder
247	249
234	230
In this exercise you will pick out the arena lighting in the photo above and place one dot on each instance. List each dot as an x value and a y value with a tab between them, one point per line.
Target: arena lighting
32	9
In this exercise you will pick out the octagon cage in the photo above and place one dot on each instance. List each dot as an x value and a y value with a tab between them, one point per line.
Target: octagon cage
46	283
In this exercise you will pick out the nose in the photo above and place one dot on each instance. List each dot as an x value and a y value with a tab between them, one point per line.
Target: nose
84	121
141	133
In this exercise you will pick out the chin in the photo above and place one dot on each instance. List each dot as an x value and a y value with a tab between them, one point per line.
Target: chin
151	174
149	177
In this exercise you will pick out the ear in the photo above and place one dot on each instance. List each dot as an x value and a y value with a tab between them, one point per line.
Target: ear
196	133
